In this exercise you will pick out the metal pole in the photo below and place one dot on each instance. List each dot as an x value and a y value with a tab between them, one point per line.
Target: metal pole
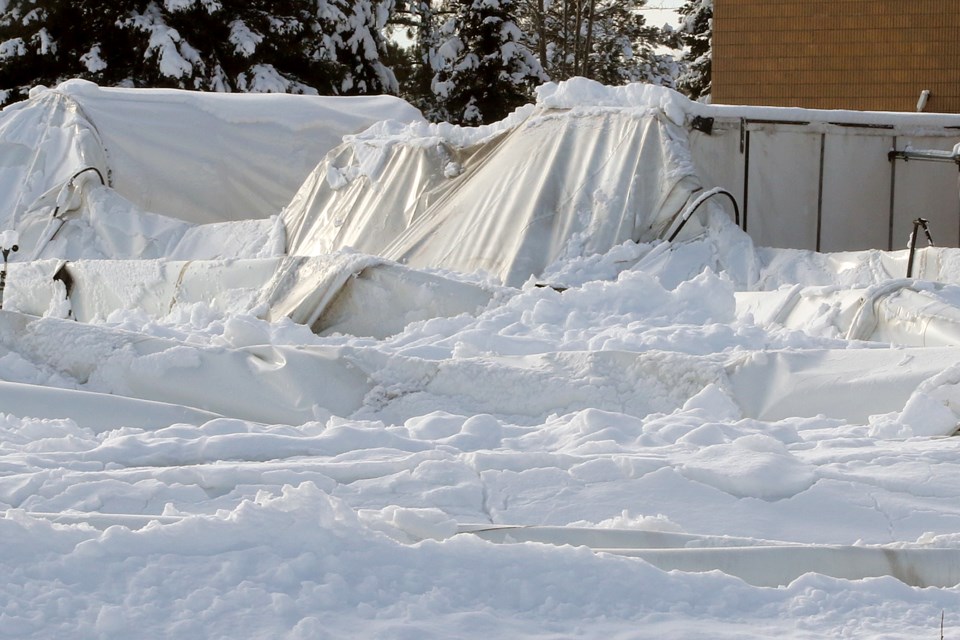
8	243
3	275
919	222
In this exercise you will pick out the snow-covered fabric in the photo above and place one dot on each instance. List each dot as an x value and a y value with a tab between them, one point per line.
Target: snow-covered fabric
637	455
197	157
558	183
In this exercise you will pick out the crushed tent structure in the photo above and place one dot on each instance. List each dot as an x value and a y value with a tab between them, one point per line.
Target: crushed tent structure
510	204
143	199
339	276
172	159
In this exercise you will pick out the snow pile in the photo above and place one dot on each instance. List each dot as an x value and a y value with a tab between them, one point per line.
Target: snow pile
584	93
933	409
203	435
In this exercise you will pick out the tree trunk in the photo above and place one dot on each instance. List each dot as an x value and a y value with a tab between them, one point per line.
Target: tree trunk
542	33
577	23
588	46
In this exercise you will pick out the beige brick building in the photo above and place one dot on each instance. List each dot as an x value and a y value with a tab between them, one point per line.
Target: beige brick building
837	54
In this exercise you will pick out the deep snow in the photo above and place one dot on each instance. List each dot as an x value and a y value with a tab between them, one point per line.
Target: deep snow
144	496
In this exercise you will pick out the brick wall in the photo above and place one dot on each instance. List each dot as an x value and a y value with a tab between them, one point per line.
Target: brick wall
837	54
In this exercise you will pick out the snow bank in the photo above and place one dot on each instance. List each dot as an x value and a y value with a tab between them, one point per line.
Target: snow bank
584	93
283	563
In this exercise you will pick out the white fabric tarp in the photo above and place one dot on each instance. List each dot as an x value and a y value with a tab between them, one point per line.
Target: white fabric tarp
343	292
848	384
363	295
758	562
900	312
557	183
196	157
264	383
98	412
291	385
102	224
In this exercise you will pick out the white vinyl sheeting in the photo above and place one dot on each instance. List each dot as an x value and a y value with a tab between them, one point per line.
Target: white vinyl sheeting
98	412
101	224
848	384
264	383
577	182
557	181
854	269
292	385
198	157
90	290
344	292
363	295
43	142
905	312
758	562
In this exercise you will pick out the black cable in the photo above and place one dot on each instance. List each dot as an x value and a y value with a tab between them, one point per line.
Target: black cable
99	175
699	201
56	209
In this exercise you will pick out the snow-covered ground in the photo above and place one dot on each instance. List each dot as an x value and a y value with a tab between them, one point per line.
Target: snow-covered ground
533	463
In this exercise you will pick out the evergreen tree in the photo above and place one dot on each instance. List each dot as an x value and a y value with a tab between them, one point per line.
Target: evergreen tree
483	71
695	33
295	46
415	23
356	44
605	40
